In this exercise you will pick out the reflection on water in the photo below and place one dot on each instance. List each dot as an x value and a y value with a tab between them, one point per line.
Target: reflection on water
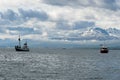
59	64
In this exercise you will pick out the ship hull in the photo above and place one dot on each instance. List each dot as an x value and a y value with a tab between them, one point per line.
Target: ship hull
104	50
21	49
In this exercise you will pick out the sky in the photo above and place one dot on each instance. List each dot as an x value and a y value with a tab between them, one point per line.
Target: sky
59	21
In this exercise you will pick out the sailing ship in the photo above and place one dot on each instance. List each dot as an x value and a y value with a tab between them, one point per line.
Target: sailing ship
21	48
104	49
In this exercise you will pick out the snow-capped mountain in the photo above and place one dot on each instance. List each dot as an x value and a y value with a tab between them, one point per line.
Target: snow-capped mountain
97	33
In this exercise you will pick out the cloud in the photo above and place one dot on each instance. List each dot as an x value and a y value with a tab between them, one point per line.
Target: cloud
23	30
27	14
22	21
4	22
23	14
83	24
9	15
65	25
107	4
15	4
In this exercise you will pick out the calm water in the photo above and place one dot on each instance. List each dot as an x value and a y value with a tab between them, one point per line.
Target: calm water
59	64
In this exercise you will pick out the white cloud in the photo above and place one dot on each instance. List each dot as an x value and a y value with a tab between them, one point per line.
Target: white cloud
14	4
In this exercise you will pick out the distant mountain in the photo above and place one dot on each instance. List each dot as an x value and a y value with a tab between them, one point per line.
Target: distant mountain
97	33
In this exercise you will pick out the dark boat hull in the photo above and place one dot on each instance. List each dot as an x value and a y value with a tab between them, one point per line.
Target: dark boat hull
104	50
21	49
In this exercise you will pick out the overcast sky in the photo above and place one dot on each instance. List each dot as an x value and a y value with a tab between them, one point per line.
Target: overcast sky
56	19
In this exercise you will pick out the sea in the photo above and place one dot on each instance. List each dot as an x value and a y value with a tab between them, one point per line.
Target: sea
59	64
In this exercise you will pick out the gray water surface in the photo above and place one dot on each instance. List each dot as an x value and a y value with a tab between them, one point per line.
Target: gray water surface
59	64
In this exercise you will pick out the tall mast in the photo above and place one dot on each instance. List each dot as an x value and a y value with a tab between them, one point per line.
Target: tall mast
19	41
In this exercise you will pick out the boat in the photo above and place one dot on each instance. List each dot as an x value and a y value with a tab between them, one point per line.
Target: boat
104	49
21	48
